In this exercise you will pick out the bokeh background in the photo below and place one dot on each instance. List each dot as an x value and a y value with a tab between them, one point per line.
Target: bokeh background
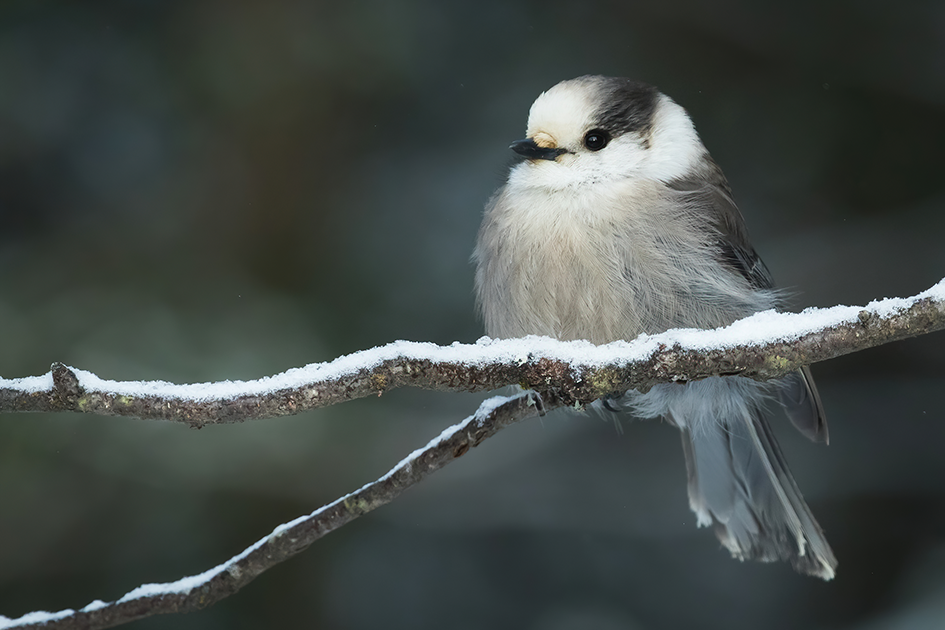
210	190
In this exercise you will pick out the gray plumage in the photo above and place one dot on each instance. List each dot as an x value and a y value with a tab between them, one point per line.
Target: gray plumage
617	222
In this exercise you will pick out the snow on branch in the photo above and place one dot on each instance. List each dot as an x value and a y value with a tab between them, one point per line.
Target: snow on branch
763	346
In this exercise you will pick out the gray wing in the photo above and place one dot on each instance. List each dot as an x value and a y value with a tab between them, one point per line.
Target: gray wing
797	392
801	402
710	192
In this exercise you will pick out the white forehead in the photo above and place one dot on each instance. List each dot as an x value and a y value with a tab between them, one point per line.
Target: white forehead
564	109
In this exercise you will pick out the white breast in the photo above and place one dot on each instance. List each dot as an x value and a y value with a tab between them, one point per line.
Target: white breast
604	265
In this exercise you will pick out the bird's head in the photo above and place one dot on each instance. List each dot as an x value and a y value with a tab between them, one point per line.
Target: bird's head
597	130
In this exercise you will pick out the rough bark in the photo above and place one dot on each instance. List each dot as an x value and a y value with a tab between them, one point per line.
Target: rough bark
571	382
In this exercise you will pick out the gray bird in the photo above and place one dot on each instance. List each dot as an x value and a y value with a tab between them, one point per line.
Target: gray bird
617	222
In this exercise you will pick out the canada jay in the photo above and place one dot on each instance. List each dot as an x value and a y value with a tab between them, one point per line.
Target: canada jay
617	222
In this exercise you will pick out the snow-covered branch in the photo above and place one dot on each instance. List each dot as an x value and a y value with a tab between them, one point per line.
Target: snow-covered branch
763	346
199	591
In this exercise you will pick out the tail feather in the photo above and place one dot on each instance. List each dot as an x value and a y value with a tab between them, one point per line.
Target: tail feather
739	482
814	554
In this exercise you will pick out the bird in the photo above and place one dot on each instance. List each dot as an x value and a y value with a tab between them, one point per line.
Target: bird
614	221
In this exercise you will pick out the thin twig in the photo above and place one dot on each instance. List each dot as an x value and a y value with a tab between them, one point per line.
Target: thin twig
199	591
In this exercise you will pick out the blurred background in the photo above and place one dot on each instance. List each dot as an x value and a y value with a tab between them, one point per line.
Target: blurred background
210	190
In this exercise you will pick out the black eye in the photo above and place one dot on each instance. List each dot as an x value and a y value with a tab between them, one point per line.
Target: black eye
596	139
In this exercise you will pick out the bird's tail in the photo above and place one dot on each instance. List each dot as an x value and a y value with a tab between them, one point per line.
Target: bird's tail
739	482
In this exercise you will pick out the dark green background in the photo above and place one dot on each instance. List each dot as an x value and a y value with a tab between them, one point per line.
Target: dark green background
197	191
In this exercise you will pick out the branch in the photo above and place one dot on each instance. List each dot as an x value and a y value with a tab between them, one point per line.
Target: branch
199	591
763	346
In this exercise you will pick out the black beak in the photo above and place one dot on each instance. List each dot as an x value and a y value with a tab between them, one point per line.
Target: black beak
532	151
